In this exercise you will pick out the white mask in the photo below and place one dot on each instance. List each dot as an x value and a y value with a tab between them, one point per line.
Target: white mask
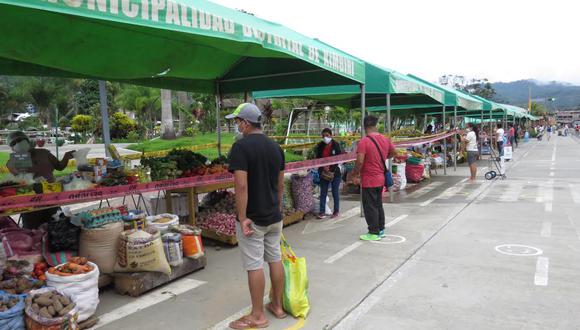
237	129
327	140
22	147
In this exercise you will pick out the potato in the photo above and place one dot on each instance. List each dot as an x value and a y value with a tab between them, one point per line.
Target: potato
51	310
57	305
44	313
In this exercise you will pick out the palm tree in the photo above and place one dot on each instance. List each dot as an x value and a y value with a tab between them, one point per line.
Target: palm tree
167	129
185	104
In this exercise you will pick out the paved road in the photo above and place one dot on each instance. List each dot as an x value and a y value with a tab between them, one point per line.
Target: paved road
443	266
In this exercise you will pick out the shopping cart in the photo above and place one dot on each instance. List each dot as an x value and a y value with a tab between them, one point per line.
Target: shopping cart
496	166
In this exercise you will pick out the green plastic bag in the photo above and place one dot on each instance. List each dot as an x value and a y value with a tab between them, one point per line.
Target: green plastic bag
295	295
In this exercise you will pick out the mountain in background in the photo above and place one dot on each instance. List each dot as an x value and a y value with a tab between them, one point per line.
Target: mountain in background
567	95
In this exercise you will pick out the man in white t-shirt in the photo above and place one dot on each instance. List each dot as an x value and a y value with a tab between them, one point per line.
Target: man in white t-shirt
499	136
470	139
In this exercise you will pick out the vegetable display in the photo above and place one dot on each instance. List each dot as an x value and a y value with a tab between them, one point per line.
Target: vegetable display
8	304
406	132
50	304
20	285
76	265
218	212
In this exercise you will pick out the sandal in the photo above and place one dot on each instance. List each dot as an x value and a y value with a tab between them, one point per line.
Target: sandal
245	323
279	316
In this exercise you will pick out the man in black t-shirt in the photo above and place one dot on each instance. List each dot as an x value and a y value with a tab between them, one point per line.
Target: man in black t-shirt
258	167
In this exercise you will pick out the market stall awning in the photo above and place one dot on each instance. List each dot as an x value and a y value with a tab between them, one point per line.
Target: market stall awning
378	83
180	45
455	98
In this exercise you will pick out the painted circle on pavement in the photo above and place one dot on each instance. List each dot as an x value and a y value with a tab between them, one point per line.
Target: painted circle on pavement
393	239
518	250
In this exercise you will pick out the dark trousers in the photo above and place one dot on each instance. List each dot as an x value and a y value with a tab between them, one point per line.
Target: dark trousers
335	193
500	148
372	200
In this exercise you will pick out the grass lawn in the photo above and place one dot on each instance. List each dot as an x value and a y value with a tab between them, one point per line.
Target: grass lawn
227	138
158	144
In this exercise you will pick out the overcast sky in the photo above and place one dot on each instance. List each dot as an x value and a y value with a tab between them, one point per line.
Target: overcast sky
502	40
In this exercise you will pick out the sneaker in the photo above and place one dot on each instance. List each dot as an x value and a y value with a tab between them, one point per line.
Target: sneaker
370	237
334	215
321	216
382	234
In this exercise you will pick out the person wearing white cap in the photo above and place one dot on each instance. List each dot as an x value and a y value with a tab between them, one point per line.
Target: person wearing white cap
258	167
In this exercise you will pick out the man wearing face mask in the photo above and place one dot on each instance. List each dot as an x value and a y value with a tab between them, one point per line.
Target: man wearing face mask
258	167
329	175
39	162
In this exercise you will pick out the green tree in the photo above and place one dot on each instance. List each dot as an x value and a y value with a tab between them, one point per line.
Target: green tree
83	124
143	101
538	109
121	125
167	129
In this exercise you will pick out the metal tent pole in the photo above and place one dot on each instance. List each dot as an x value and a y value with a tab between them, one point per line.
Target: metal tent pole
478	138
444	146
104	115
455	139
362	133
217	116
289	125
425	123
391	197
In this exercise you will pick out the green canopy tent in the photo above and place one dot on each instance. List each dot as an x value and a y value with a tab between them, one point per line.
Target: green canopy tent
453	99
191	45
383	87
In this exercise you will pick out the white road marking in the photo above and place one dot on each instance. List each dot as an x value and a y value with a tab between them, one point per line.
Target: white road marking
554	152
474	194
328	224
242	312
512	194
542	269
342	252
540	193
574	226
390	239
427	202
551	173
152	298
426	189
575	193
396	220
518	250
549	196
546	229
453	190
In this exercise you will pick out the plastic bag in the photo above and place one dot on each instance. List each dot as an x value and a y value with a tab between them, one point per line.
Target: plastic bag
100	245
12	319
55	258
81	156
414	173
83	289
35	321
141	251
162	222
173	248
507	152
295	296
401	169
62	234
191	241
302	193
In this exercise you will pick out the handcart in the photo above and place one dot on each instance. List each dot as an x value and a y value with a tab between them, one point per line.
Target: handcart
496	167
